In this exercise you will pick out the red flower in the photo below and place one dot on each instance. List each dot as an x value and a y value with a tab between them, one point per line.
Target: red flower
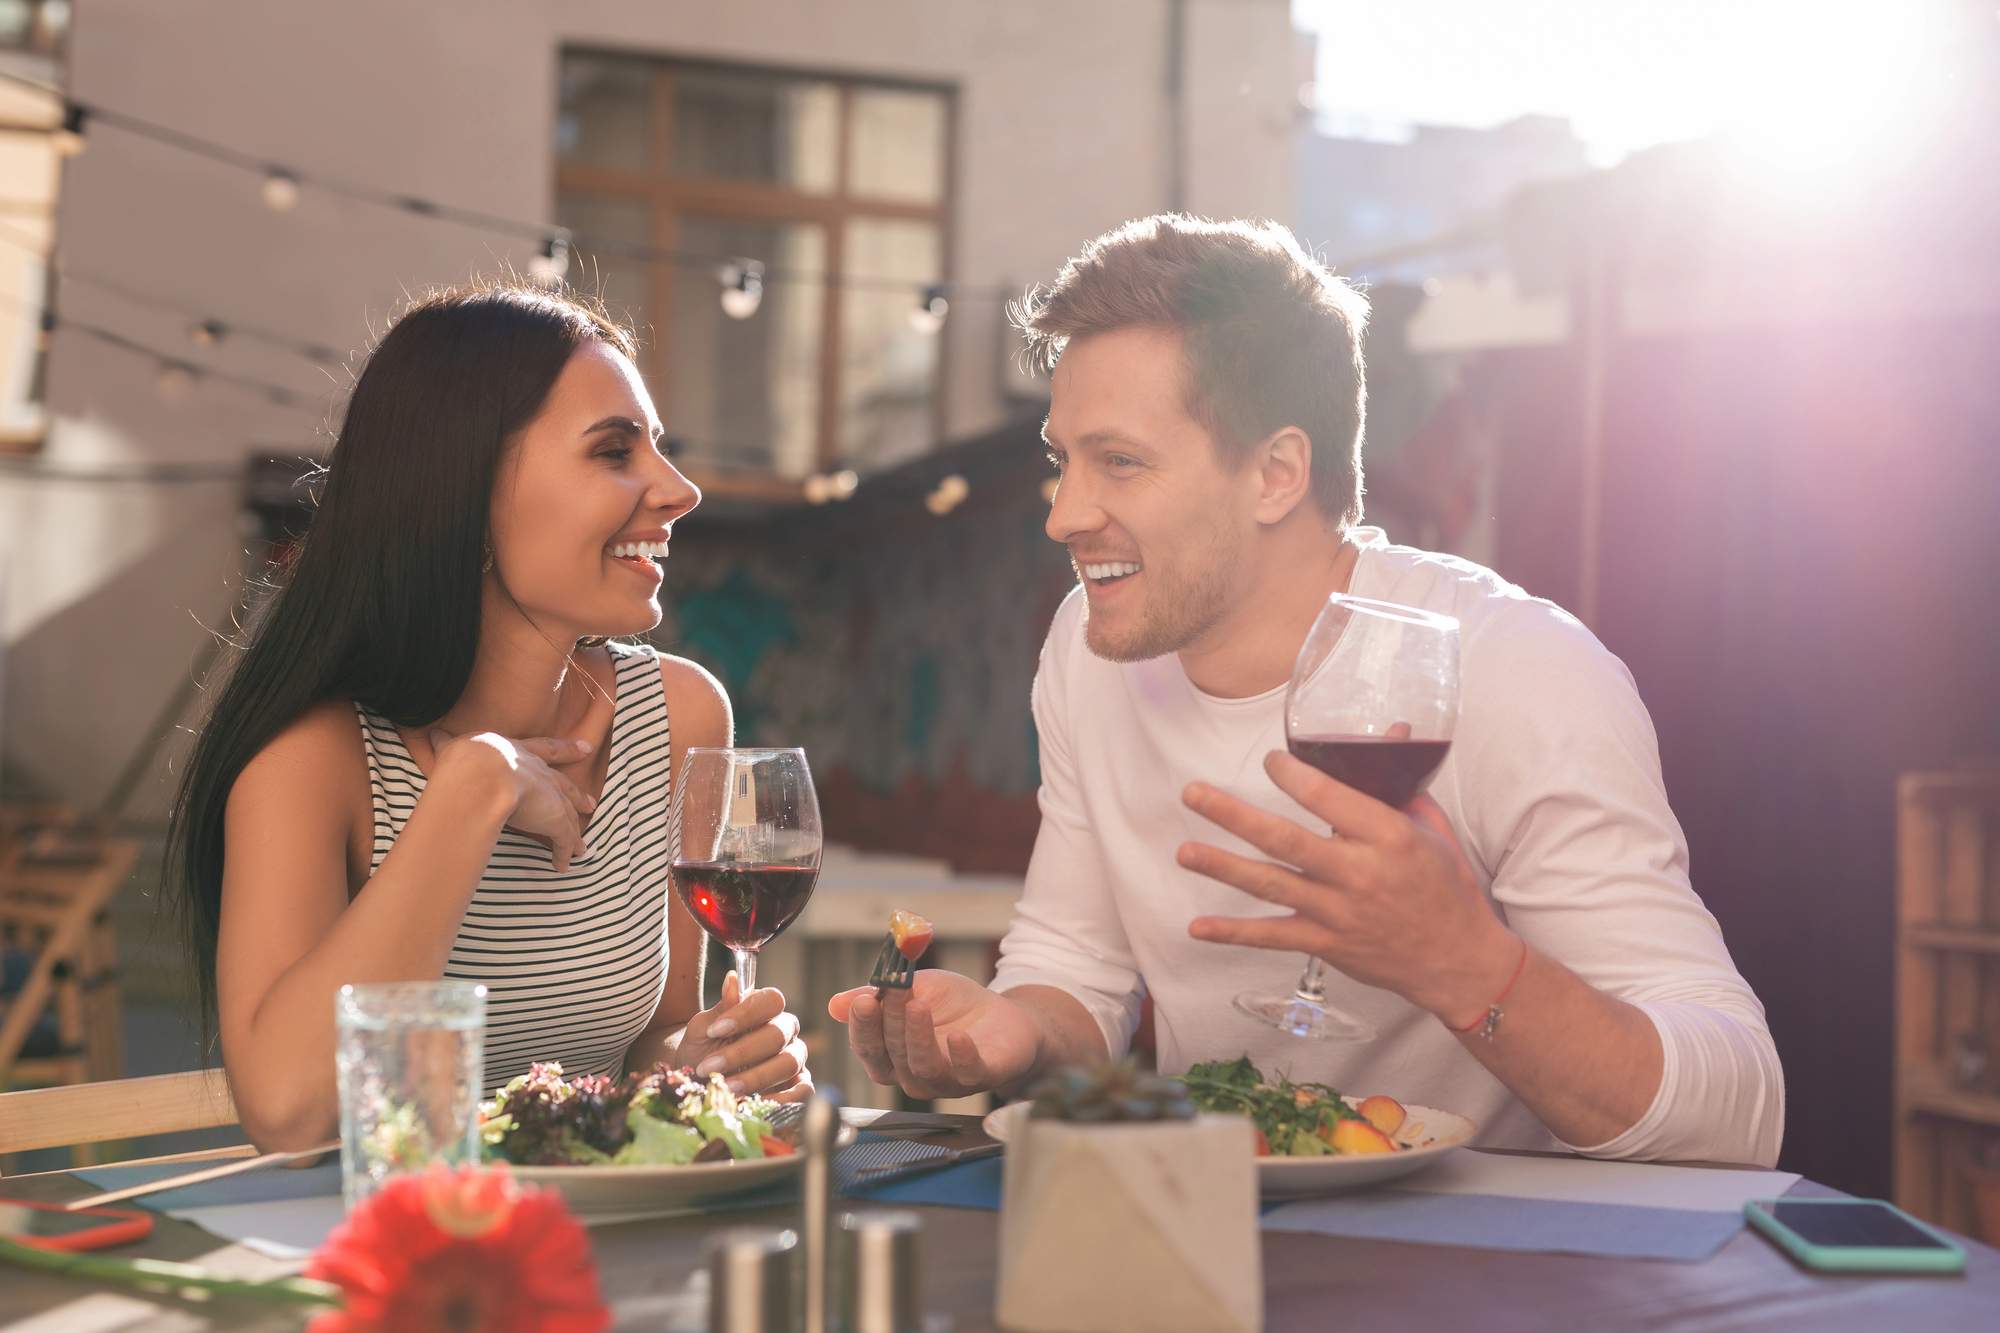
465	1251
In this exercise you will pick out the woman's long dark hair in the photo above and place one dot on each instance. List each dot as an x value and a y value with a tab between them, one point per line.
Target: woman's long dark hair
382	604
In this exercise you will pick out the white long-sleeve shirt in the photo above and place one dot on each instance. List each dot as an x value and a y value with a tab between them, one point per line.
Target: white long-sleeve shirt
1553	787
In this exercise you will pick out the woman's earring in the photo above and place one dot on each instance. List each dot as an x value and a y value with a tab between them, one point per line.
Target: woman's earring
486	548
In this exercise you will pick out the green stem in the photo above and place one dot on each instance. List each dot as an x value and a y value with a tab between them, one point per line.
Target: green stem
171	1277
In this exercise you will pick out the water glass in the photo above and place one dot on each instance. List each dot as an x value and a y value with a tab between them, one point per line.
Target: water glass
412	1064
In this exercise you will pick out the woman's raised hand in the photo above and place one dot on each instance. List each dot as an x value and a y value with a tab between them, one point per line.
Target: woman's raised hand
546	805
751	1041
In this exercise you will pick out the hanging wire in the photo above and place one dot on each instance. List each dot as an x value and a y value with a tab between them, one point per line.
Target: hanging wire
77	115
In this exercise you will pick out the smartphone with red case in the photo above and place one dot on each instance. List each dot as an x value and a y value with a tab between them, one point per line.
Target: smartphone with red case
50	1226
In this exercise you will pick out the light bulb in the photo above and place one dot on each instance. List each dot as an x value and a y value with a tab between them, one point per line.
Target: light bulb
818	488
1049	486
175	382
931	309
68	141
948	495
844	482
548	267
207	332
281	192
742	287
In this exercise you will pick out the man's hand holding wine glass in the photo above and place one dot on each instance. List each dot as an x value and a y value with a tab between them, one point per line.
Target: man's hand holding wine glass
1389	900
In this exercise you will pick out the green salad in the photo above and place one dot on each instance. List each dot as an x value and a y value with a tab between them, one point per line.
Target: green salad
1295	1119
666	1118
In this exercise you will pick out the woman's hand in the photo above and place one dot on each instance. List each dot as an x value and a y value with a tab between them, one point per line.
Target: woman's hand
751	1041
548	807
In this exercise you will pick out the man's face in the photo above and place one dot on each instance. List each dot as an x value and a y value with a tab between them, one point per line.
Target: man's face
1153	521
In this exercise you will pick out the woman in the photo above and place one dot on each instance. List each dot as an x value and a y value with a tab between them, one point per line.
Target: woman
430	763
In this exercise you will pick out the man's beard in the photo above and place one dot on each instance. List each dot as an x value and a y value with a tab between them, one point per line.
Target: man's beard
1180	606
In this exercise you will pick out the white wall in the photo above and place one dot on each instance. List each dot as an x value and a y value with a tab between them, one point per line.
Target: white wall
1063	133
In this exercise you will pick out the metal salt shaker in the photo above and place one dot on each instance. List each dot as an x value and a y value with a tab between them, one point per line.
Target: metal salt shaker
750	1281
878	1287
822	1124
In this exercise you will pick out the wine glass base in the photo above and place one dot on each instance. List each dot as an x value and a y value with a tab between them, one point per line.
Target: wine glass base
1304	1018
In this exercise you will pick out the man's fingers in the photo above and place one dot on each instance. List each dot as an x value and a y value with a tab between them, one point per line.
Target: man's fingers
864	1038
926	1060
1273	835
968	1066
1352	813
1292	934
1260	879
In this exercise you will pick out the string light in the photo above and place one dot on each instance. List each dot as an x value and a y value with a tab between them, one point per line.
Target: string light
950	493
281	192
207	332
282	185
552	263
174	381
69	140
931	309
1049	486
742	287
821	486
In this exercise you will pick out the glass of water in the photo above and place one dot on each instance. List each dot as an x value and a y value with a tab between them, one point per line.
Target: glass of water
412	1064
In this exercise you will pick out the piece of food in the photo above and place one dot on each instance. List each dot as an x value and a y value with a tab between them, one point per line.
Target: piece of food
912	933
665	1118
1110	1092
1356	1136
1294	1118
1385	1113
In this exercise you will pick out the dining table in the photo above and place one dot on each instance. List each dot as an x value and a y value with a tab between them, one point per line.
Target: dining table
1311	1281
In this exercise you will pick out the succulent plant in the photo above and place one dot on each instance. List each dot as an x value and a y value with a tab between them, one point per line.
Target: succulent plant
1111	1092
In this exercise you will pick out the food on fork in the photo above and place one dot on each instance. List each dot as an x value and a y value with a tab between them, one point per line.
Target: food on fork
665	1118
911	932
1296	1119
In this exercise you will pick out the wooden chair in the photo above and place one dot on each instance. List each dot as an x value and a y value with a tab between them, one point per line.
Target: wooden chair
130	1108
54	910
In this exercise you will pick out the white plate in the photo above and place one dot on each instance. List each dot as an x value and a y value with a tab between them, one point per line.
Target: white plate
1427	1135
605	1193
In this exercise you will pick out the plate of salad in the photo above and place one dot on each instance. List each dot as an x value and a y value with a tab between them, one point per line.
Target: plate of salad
640	1143
1311	1139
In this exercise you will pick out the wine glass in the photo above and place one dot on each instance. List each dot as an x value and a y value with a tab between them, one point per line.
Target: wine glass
746	845
1372	703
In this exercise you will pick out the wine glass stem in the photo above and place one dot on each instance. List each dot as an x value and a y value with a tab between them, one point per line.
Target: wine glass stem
1312	981
746	970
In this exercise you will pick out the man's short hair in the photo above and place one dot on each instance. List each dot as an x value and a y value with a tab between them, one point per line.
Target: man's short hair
1273	338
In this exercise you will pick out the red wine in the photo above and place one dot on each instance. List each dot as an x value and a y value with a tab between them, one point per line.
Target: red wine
740	904
1392	771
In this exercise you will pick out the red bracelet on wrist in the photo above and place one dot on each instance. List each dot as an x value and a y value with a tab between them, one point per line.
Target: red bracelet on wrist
1489	1022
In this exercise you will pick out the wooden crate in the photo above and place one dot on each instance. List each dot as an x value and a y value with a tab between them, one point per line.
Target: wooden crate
1947	985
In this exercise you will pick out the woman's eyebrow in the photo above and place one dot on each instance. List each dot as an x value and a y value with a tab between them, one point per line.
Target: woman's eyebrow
625	424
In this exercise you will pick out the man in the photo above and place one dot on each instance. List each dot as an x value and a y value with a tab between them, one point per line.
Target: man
1524	937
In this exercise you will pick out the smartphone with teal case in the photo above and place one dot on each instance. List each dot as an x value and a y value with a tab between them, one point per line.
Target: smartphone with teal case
1855	1236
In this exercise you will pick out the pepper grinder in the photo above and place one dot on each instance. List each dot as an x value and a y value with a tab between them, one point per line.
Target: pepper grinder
822	1123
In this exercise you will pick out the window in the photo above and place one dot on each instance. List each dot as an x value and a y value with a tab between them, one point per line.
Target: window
677	176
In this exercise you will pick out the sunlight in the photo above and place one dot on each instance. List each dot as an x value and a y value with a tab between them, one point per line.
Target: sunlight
1801	85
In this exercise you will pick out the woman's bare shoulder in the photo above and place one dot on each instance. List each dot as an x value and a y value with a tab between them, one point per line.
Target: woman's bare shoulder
697	705
320	746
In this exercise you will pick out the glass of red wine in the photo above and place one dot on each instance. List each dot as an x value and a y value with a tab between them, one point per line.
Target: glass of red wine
746	846
1372	703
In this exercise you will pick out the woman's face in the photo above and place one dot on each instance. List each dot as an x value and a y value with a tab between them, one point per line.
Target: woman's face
584	503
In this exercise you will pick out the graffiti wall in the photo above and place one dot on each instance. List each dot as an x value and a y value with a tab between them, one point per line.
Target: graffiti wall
897	646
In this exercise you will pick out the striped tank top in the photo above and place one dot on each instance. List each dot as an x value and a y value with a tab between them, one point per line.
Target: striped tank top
574	964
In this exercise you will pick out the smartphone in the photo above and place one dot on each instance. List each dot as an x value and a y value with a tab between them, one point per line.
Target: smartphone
50	1226
1855	1236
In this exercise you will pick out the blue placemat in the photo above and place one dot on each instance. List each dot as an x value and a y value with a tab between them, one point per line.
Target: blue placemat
265	1185
1494	1222
967	1185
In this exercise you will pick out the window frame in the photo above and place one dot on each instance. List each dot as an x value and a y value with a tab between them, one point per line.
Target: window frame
669	198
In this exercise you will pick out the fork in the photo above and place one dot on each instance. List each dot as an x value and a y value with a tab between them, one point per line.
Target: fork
892	970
